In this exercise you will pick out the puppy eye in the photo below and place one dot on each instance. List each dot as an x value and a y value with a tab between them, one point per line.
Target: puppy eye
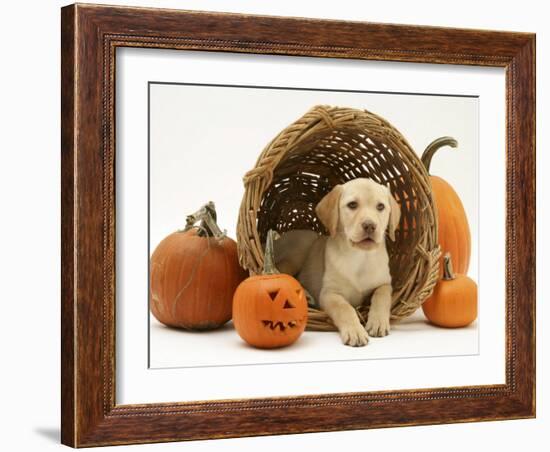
352	205
380	207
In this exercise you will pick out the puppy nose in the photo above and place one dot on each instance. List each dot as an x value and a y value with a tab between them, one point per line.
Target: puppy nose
369	226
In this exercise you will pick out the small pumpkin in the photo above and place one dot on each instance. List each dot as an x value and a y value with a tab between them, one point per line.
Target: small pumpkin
193	274
454	231
270	310
454	300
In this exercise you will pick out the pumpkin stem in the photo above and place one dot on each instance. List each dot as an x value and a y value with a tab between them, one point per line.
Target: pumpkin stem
448	273
269	264
207	216
433	147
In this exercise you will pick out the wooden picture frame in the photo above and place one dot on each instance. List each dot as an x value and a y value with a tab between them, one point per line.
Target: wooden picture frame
90	35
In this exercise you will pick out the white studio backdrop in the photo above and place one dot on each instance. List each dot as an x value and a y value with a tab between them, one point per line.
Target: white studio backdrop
30	194
475	123
203	139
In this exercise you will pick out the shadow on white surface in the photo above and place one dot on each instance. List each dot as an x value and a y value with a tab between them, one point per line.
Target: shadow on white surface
413	337
50	433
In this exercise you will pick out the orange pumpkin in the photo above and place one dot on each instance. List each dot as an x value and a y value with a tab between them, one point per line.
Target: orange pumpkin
454	300
270	310
454	231
193	274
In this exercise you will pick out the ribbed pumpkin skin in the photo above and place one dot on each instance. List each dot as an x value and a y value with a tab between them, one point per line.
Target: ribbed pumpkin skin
193	279
258	316
454	231
453	303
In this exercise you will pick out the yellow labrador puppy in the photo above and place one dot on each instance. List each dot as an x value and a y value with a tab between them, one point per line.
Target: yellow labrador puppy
340	270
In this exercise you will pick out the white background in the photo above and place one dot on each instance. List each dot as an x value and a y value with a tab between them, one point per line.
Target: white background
30	228
205	138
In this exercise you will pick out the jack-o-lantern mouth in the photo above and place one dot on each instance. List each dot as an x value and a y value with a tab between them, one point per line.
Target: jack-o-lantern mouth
280	325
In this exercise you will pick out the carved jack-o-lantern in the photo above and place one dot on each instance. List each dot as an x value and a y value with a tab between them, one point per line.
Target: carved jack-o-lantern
270	310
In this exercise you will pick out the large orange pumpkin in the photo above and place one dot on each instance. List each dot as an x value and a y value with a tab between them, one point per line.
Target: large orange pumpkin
193	275
454	231
454	300
270	310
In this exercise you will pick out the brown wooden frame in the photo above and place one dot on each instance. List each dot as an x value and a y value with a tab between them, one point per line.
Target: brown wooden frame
90	34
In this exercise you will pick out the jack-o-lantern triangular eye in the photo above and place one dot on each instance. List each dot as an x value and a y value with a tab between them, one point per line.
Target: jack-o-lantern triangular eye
299	292
273	294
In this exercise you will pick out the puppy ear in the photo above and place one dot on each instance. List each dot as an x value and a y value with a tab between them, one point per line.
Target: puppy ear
395	215
328	209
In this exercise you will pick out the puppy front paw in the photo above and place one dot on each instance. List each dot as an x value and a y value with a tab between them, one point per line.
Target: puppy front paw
378	325
354	335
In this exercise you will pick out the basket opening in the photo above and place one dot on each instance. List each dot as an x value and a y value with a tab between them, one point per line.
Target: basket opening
313	166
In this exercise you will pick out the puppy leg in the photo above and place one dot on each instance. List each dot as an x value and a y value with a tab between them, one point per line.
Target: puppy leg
291	250
345	319
378	323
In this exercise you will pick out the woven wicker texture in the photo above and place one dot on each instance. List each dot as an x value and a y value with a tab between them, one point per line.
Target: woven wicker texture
329	146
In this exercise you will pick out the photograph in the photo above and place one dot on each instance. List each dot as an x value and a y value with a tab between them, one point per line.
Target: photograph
302	225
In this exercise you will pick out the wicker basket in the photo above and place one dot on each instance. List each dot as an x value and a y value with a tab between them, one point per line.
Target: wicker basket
325	147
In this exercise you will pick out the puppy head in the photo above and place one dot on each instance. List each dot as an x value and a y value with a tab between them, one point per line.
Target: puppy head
361	210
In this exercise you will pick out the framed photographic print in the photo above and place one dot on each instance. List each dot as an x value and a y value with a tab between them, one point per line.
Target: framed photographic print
280	225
